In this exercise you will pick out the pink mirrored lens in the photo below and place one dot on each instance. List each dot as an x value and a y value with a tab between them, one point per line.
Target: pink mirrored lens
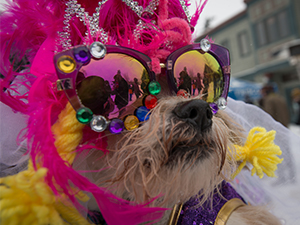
199	74
107	86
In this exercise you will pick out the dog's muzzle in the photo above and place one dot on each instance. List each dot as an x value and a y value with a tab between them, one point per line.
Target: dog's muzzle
196	112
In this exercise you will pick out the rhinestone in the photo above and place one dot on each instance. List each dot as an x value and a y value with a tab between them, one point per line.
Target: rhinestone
154	88
98	50
98	123
205	45
146	16
182	93
84	115
142	113
116	126
150	101
214	107
131	122
222	103
82	55
66	64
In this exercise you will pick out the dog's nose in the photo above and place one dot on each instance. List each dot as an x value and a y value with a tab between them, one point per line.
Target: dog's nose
196	112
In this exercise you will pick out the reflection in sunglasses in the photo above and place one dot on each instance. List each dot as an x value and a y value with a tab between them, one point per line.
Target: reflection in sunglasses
106	90
199	74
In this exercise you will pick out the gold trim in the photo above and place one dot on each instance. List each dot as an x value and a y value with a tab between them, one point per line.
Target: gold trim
175	214
59	86
162	65
227	209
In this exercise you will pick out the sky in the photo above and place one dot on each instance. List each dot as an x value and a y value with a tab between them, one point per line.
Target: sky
218	10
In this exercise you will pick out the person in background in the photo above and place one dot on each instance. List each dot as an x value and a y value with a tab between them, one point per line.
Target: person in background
248	99
136	88
130	91
121	92
185	81
275	105
194	86
296	98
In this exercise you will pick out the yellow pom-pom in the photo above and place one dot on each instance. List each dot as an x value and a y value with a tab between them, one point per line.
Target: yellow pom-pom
25	198
260	151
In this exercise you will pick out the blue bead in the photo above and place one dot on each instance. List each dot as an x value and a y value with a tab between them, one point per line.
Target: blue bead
141	113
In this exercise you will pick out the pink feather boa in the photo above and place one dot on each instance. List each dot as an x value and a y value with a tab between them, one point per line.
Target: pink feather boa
28	30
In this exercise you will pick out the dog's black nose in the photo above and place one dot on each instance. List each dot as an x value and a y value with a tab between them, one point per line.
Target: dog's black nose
196	112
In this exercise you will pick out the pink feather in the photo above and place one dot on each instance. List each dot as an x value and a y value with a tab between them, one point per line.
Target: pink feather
28	30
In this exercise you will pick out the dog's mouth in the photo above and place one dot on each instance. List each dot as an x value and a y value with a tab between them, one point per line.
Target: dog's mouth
187	137
194	149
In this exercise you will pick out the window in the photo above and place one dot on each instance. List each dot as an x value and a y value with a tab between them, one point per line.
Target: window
261	33
284	25
273	28
244	45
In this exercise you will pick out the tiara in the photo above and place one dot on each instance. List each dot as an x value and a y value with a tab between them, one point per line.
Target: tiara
96	33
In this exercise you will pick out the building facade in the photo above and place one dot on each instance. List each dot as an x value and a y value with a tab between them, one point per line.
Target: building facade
264	41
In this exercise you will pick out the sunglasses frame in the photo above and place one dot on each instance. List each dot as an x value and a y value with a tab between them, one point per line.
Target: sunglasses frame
220	53
67	81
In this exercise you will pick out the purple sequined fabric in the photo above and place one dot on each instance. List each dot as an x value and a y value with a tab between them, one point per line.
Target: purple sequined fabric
205	215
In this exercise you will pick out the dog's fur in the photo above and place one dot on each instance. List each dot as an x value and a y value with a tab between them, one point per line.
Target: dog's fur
174	159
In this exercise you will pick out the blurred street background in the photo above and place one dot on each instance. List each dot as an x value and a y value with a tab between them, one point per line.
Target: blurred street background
263	37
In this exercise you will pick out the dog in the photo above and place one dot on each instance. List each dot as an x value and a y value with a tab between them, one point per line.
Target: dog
181	159
180	153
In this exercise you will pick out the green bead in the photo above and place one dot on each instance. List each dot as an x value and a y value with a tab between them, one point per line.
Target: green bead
154	88
84	115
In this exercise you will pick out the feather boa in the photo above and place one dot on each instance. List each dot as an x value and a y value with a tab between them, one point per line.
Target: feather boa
28	39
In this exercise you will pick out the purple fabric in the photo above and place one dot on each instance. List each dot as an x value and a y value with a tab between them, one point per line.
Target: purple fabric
205	215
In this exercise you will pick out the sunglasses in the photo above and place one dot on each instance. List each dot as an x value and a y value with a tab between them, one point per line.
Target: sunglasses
103	81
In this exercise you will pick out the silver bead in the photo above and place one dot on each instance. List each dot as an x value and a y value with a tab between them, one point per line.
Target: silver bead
222	103
205	45
98	50
98	123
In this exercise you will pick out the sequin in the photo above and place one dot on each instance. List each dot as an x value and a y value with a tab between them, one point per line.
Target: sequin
154	88
84	115
98	50
222	103
150	101
214	107
182	93
205	215
82	55
66	64
142	113
131	122
205	45
98	123
116	126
